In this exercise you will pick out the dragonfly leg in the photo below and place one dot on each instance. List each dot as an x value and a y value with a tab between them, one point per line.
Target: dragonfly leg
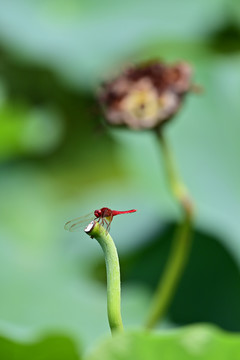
106	223
101	221
109	223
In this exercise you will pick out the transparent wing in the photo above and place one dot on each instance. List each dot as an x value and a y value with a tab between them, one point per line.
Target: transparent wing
79	223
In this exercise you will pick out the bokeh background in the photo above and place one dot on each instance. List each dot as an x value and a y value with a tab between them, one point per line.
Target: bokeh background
59	161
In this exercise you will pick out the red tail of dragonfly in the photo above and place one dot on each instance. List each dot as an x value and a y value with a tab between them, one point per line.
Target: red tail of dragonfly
104	216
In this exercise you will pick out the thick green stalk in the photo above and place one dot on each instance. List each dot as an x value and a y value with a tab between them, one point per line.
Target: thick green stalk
95	230
181	243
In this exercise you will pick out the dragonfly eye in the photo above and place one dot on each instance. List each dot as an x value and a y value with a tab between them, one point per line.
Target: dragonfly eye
97	213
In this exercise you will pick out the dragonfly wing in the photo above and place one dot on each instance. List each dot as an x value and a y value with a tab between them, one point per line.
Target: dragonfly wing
79	223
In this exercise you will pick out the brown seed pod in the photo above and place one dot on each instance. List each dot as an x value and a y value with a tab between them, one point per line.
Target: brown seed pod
147	95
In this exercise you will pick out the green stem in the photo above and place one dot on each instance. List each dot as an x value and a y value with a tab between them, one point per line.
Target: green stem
95	230
181	243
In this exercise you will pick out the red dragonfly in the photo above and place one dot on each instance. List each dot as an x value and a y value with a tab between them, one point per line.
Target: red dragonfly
104	216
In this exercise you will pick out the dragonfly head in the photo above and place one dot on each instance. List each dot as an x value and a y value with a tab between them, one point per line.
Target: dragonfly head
97	213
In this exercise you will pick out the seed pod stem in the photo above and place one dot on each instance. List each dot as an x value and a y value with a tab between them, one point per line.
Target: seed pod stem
95	230
181	244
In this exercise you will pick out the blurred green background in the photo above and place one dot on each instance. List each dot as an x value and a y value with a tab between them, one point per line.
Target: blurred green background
58	161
